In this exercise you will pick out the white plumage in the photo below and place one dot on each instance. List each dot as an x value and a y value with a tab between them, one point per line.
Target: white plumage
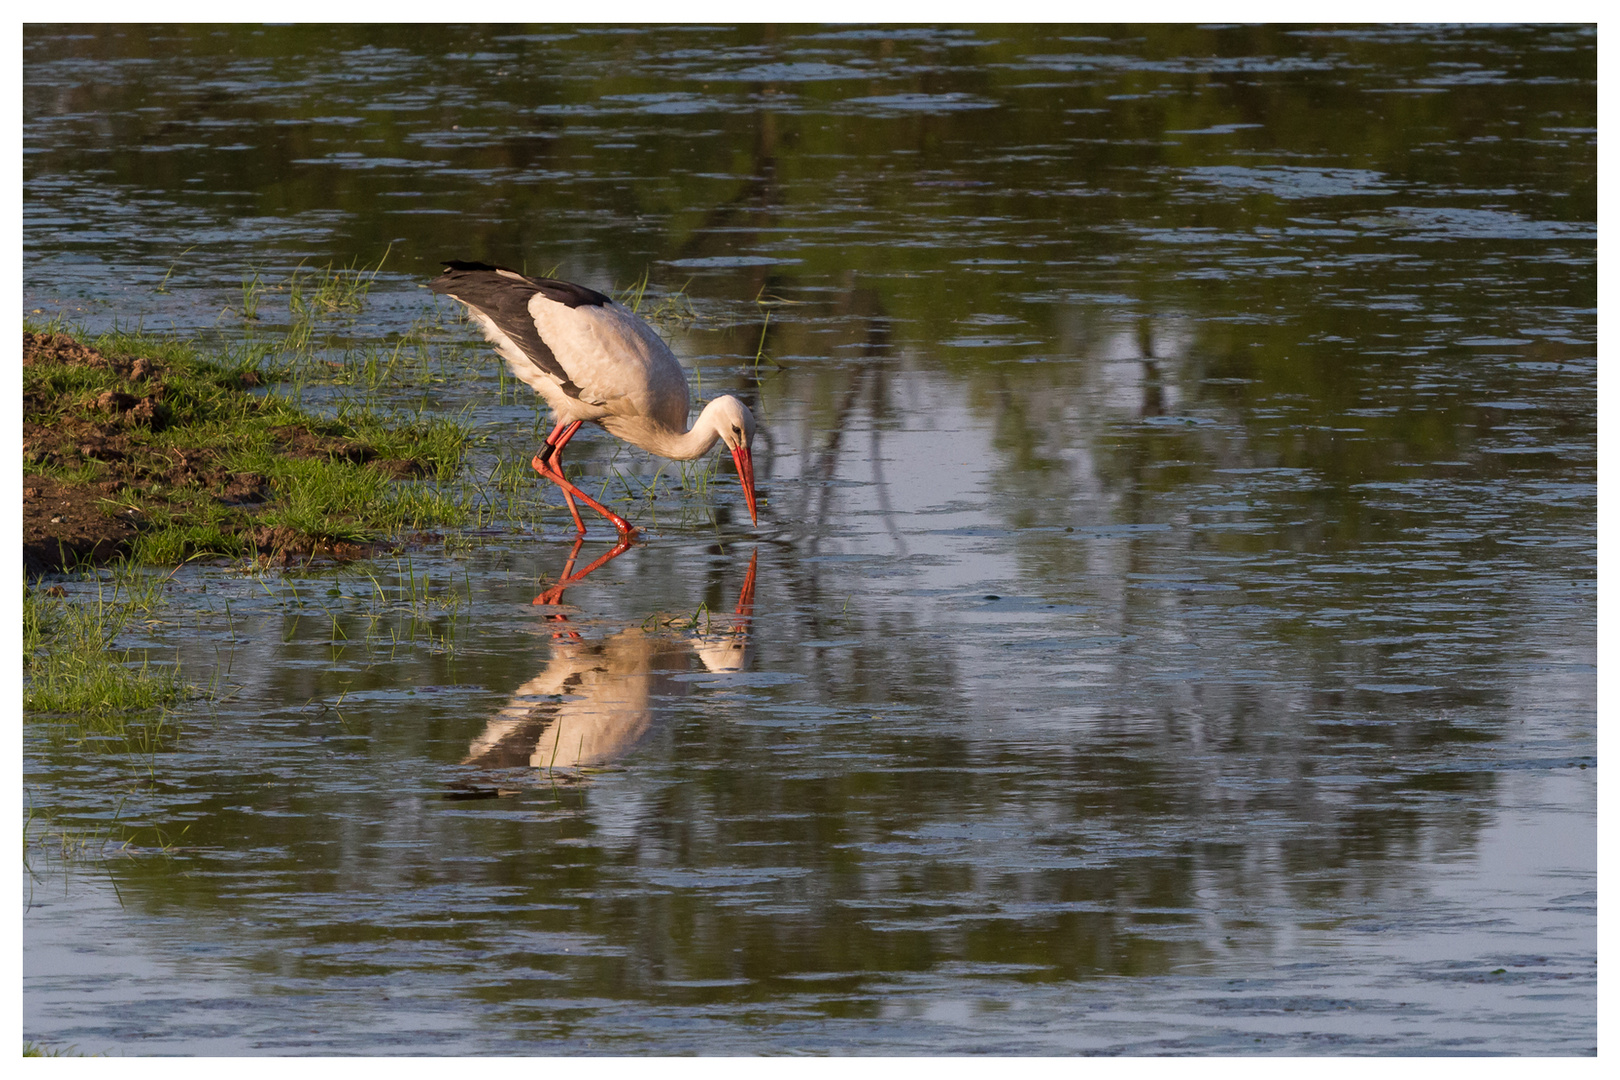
595	361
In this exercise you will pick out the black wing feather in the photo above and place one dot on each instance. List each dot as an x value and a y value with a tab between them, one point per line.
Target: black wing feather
505	301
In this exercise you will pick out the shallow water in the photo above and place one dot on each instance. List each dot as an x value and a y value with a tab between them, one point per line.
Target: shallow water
1173	626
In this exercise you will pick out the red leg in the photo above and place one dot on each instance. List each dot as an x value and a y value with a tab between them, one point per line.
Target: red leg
548	463
557	440
579	526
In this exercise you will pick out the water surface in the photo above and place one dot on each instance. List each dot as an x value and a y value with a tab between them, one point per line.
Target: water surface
1173	625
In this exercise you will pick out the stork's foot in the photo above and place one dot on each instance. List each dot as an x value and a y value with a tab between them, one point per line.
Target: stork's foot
627	531
547	465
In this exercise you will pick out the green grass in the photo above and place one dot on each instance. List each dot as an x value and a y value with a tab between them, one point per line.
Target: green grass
252	289
163	285
331	288
34	1049
354	504
71	669
675	307
329	478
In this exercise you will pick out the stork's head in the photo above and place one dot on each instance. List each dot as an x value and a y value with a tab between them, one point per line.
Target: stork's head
736	426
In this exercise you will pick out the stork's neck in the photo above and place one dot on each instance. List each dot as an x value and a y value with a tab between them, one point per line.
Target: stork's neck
666	441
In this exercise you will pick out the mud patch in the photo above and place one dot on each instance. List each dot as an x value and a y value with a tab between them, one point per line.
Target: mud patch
68	524
105	456
279	545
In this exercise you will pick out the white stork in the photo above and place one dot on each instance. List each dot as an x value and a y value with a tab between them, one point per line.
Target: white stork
593	359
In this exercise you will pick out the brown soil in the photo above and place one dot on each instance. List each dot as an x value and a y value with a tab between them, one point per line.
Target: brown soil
66	524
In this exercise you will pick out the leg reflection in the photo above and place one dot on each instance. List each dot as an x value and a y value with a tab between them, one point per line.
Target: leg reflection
554	594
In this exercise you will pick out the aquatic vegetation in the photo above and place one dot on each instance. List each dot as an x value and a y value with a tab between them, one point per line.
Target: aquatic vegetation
142	445
671	308
331	288
34	1049
72	669
252	289
163	283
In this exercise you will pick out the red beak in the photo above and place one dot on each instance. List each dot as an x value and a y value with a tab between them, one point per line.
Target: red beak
745	472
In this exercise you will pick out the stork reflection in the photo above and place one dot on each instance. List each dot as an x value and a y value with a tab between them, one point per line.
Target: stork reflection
595	700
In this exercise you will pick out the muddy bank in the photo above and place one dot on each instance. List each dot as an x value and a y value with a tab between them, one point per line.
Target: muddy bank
119	446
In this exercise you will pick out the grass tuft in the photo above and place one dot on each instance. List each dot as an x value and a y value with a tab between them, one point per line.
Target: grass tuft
34	1049
331	288
71	669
